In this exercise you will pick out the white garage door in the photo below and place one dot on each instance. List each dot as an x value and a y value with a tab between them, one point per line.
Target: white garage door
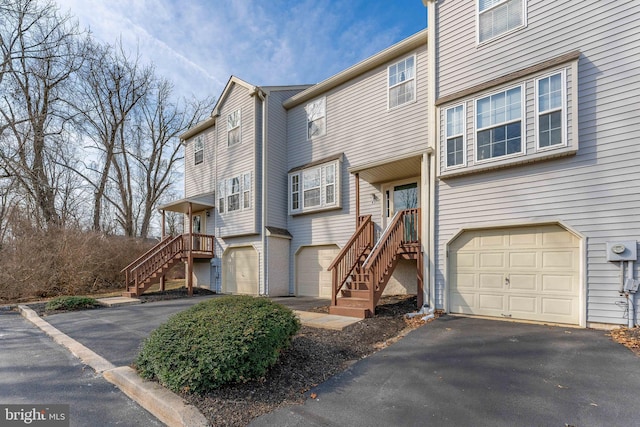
312	277
240	271
520	273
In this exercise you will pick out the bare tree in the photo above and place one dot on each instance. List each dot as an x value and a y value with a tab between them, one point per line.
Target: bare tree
40	52
113	84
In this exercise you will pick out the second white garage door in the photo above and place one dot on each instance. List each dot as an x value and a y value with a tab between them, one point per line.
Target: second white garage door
240	271
529	273
312	277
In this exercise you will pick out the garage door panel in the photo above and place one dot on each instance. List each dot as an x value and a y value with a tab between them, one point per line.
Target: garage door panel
241	271
523	259
542	265
491	302
492	260
523	282
522	305
559	283
491	281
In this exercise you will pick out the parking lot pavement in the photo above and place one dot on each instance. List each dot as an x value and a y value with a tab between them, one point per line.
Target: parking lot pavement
36	370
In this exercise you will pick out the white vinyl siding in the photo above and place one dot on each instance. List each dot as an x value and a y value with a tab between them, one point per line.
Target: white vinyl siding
316	118
234	135
550	97
499	124
496	17
455	141
402	82
314	188
198	150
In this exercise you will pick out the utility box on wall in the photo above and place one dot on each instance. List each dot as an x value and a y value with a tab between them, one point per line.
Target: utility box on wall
624	250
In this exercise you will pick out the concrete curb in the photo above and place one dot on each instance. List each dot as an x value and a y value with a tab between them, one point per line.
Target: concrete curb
168	407
162	403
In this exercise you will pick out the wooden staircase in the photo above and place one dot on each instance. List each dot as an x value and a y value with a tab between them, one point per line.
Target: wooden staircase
153	264
361	271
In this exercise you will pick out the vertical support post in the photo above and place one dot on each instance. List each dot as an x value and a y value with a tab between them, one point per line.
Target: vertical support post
420	287
357	199
190	254
164	233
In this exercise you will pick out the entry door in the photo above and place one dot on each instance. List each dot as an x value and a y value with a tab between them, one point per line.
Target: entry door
197	225
399	197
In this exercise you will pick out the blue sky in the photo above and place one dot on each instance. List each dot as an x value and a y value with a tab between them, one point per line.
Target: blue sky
198	44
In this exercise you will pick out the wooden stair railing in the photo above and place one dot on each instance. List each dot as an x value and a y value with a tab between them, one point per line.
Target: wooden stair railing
370	275
351	255
139	274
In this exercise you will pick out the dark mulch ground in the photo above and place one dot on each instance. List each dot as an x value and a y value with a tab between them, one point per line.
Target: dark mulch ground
315	355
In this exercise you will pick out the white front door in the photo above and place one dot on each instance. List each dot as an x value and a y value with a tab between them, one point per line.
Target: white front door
399	196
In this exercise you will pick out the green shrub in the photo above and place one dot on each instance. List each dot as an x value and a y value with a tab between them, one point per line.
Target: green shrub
216	342
70	303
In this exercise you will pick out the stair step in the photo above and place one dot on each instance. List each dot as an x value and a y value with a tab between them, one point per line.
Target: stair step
358	312
353	302
355	293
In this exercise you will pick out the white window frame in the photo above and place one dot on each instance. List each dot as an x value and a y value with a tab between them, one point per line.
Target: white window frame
522	120
198	150
316	113
493	7
406	81
448	136
226	193
297	188
234	121
562	109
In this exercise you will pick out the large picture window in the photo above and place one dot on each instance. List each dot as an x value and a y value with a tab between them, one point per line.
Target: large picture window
455	126
234	194
549	96
499	124
402	82
497	17
316	118
314	188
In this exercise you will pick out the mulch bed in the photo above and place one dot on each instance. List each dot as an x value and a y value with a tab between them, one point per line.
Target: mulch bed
314	356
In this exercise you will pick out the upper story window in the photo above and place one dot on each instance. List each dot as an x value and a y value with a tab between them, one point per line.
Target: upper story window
314	188
497	17
549	109
234	193
499	124
402	82
198	151
455	127
233	128
316	118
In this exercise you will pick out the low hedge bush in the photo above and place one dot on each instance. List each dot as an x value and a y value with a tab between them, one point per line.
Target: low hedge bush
71	303
219	341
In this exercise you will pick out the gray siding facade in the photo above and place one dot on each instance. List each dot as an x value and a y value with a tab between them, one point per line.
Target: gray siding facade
592	186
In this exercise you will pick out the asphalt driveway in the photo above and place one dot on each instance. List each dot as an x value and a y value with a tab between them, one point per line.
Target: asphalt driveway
473	372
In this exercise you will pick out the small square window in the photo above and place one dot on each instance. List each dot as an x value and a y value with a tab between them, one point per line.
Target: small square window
499	124
496	17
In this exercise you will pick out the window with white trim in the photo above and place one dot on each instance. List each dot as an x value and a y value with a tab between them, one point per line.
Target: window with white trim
497	17
234	193
402	82
549	104
198	151
316	118
233	128
454	129
499	124
315	188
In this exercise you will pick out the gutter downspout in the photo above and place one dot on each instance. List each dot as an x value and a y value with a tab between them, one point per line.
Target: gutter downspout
263	225
433	138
